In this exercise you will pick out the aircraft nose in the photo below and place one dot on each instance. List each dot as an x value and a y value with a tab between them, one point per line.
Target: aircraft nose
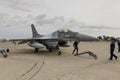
92	39
86	38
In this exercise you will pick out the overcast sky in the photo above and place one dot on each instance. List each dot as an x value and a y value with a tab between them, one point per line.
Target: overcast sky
93	17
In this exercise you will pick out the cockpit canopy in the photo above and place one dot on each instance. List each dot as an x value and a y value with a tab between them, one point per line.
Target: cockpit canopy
64	30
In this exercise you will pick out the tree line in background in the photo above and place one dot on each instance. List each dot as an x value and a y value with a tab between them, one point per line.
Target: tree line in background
106	38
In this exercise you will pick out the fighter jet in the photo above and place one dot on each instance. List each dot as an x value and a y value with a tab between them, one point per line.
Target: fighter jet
54	40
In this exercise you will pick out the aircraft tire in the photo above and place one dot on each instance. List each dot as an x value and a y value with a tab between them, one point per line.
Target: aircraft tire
7	50
50	50
36	50
5	55
59	52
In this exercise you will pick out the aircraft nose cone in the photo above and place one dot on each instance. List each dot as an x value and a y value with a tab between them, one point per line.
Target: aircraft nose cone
86	38
92	39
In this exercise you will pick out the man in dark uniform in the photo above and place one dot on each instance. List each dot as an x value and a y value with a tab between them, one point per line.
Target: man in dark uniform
118	43
112	48
75	45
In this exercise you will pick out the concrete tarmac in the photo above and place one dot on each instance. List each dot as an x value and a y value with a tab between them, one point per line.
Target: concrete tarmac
23	64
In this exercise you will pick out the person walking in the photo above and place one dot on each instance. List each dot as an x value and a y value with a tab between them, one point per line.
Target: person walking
112	48
118	43
75	45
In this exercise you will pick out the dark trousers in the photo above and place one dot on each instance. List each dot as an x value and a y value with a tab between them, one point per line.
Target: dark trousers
118	48
112	55
75	49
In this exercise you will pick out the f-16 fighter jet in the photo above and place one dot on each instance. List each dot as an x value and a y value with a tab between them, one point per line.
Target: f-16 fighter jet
54	40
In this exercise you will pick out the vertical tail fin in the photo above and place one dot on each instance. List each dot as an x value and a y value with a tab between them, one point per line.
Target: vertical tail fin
34	31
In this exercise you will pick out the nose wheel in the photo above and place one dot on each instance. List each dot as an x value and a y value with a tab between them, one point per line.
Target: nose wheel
59	52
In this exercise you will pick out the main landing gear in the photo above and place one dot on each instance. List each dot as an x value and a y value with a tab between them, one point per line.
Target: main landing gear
58	51
36	50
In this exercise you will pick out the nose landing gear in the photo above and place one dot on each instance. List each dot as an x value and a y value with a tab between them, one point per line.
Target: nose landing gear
59	52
